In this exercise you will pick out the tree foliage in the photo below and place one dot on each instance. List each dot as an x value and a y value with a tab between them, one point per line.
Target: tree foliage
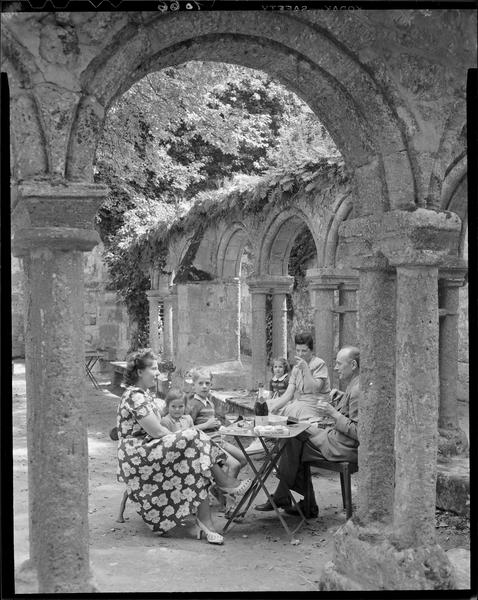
177	137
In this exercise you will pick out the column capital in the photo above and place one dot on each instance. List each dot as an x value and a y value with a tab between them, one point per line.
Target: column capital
270	284
65	204
58	216
54	238
452	272
422	236
154	294
331	279
415	259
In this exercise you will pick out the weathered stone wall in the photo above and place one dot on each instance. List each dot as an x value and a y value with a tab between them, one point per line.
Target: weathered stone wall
207	324
105	319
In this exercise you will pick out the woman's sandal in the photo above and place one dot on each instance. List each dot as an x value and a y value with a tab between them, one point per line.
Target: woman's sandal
211	536
240	490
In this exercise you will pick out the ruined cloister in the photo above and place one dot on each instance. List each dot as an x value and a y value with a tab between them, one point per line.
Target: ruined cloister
390	251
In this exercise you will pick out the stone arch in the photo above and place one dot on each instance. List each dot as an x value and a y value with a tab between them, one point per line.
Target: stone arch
454	196
229	251
278	239
30	157
302	55
450	155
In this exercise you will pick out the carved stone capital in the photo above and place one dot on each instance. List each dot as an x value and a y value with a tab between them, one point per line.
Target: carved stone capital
331	279
65	204
421	237
54	238
270	284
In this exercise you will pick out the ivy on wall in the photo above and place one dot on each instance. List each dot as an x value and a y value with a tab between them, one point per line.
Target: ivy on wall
142	240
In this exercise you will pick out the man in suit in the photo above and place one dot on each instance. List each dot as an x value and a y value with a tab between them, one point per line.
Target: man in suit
336	443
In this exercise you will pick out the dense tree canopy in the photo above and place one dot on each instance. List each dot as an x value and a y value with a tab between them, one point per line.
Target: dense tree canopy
180	132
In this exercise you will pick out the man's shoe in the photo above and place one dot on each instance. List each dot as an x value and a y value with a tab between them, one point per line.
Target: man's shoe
267	506
313	513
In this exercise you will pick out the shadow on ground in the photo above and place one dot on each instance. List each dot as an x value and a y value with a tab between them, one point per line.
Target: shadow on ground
129	557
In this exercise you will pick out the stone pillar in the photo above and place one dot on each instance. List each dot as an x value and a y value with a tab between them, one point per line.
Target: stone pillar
258	342
168	328
348	312
452	440
174	321
52	247
417	385
323	285
153	299
280	290
403	554
237	282
377	381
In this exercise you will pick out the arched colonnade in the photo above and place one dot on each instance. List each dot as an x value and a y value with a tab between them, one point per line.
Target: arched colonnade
66	69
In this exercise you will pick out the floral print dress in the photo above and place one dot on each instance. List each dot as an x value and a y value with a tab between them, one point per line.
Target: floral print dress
168	477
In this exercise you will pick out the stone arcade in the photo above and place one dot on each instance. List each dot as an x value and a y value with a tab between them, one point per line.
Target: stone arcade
390	88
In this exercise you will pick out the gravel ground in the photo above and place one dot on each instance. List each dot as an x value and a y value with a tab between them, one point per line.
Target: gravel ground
129	557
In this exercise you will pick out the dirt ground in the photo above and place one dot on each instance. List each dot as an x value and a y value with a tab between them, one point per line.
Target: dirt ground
129	557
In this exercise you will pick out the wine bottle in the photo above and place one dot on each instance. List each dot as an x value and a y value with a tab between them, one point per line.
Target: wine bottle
261	410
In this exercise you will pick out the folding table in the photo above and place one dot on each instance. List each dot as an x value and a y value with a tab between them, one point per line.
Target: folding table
261	474
91	358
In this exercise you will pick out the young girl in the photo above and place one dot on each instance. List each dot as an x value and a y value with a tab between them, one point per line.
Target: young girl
175	419
280	379
277	386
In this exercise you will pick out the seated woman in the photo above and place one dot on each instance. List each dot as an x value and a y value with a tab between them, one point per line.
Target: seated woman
168	474
308	383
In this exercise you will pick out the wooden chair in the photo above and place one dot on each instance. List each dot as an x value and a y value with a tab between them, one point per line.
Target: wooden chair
346	469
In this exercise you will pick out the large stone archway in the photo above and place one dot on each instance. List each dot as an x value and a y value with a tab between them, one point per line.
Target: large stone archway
321	71
386	99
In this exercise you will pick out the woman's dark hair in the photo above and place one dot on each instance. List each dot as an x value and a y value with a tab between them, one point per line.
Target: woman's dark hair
282	361
175	394
305	338
136	361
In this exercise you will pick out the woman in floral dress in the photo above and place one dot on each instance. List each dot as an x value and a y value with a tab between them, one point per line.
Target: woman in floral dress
167	474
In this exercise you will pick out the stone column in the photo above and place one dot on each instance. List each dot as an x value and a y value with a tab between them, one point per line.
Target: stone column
237	284
323	284
52	247
168	328
417	383
280	290
377	381
369	554
348	311
258	342
153	299
174	321
452	440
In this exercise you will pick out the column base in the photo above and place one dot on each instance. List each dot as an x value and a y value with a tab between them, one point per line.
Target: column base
453	485
451	442
26	578
366	559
